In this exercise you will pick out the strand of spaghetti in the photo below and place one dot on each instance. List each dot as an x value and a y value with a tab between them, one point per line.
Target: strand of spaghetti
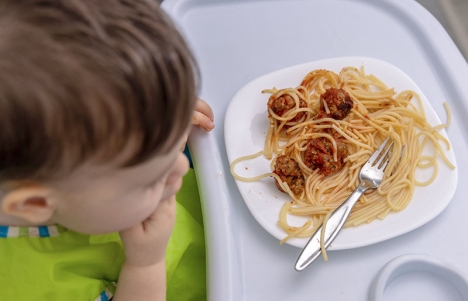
358	103
393	124
394	158
418	99
399	185
310	210
400	200
327	110
369	212
438	136
270	91
432	178
282	222
376	105
361	136
444	125
345	122
384	214
350	133
393	115
311	180
335	189
312	77
437	147
244	158
296	232
364	200
322	236
365	87
376	81
369	121
349	138
449	114
301	146
426	161
405	198
316	121
267	149
417	117
290	114
354	179
359	163
406	195
284	215
360	153
371	204
358	217
301	163
372	95
401	171
331	185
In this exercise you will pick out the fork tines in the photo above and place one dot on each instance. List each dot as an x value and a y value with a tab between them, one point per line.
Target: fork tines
381	156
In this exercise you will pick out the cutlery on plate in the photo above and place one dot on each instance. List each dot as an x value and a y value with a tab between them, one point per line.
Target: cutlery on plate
371	176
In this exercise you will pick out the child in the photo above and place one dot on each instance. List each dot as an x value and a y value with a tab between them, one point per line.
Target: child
96	98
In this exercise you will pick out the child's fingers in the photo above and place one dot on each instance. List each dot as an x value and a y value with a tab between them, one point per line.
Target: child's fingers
204	108
202	120
163	218
146	242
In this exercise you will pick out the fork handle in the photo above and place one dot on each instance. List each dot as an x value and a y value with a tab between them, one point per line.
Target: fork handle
334	224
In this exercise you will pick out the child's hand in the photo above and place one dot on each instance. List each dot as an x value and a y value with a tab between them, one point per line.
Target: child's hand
203	116
145	244
143	275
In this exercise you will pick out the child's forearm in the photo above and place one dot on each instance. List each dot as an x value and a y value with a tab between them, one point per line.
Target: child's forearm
141	283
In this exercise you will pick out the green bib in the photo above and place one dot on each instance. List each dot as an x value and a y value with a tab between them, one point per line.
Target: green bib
52	263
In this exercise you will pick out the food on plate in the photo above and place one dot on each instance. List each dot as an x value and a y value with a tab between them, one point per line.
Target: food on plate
335	103
290	173
323	131
319	155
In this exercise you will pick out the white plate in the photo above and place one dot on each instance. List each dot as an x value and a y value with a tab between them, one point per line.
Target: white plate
245	127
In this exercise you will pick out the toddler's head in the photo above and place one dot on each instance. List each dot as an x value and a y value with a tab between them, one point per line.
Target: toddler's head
95	99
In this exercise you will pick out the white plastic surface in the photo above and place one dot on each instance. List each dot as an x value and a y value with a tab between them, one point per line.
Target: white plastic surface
450	282
237	41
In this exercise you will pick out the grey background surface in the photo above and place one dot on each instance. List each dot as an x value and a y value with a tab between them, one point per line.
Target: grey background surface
452	14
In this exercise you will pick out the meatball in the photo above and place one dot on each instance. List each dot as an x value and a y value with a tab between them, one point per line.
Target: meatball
339	104
283	104
319	155
289	172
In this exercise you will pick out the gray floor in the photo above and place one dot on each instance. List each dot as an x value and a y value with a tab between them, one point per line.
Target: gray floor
452	14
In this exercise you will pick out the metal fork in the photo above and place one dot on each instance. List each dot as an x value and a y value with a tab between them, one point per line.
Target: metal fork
371	176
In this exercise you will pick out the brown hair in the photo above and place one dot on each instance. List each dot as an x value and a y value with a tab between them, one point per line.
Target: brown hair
79	79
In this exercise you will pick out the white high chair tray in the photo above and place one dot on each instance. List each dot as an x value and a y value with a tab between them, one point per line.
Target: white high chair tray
237	41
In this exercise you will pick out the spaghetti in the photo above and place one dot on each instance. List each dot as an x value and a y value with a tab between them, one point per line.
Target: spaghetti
321	145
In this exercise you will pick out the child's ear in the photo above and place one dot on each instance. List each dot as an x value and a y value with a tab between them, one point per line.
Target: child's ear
32	203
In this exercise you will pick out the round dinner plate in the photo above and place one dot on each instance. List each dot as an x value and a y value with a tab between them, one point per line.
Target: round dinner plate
245	129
